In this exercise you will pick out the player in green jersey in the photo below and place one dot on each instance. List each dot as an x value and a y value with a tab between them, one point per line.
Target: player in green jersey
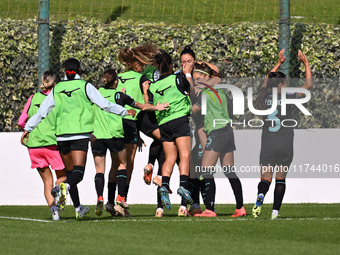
42	145
174	126
217	141
134	60
108	134
72	101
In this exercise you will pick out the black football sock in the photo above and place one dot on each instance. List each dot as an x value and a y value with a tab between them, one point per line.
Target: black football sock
111	186
203	193
73	191
165	182
161	160
99	183
279	192
191	185
76	176
184	181
195	194
210	190
263	187
237	189
126	191
121	181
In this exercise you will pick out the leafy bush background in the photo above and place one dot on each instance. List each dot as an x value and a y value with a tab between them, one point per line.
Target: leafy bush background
240	50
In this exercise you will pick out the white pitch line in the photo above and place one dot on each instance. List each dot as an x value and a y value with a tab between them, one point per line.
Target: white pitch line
210	220
173	220
26	219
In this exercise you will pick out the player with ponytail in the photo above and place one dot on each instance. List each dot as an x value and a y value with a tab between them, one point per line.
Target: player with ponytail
72	101
174	127
42	145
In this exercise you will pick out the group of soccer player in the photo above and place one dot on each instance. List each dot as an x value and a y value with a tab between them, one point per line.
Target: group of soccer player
62	119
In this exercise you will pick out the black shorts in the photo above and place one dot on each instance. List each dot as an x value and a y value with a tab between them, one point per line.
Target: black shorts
66	147
130	131
147	122
175	128
100	146
276	154
221	140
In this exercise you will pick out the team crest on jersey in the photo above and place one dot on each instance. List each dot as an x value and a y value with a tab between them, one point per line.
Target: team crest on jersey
126	79
161	92
68	93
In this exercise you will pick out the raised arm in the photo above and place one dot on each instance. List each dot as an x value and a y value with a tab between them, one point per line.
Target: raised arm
124	99
276	67
150	107
308	82
187	70
146	86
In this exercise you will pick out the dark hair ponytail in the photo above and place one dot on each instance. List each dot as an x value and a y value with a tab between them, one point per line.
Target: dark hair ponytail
163	62
72	67
109	77
273	81
188	50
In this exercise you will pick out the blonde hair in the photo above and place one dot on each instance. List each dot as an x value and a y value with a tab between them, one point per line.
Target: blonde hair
48	80
143	54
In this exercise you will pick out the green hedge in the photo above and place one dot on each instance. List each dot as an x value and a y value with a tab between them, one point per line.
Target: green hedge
240	50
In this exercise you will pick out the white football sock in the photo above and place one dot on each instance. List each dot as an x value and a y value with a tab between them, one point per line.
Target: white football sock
275	212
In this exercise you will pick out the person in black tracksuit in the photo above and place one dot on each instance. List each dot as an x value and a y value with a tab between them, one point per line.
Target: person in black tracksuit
277	140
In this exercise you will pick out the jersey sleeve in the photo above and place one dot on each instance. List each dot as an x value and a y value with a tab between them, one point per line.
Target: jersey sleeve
104	104
24	115
182	83
123	99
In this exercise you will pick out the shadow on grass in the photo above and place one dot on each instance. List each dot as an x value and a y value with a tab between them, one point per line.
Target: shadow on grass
116	13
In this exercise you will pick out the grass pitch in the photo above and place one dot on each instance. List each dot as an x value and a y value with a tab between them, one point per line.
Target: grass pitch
302	229
178	11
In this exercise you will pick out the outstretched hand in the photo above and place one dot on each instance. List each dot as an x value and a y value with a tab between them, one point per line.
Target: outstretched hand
131	112
162	106
281	57
302	57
